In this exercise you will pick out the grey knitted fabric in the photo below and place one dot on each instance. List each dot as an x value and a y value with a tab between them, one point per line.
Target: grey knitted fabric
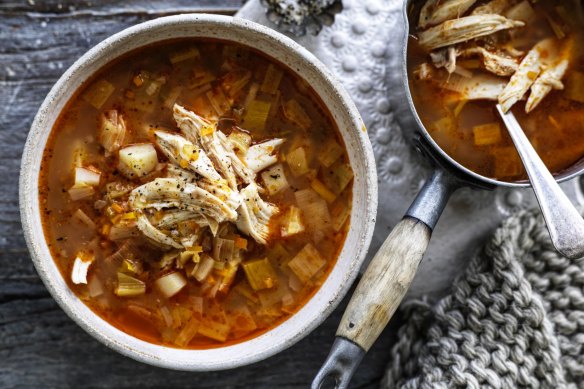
514	319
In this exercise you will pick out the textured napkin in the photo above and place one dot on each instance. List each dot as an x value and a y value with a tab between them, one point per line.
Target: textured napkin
515	318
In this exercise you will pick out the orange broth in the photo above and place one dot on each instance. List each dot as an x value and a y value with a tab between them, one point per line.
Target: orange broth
555	127
200	75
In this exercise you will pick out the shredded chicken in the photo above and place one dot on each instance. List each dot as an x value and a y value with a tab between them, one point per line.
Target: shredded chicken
464	29
175	147
445	58
435	12
497	64
478	87
112	131
200	131
172	217
255	214
155	234
175	193
528	71
550	79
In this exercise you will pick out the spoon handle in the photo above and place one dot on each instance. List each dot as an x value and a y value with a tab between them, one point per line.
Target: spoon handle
564	223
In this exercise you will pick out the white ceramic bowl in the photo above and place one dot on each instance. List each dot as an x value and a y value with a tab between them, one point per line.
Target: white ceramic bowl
344	113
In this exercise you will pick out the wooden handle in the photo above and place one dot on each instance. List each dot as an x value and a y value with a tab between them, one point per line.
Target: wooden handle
385	283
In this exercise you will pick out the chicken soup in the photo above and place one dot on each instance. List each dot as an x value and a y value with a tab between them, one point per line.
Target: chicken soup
465	56
195	193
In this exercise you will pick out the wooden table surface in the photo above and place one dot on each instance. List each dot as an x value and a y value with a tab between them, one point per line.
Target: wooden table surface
40	347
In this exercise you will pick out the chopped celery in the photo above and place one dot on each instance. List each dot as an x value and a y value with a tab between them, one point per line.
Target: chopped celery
278	254
507	163
171	284
292	222
112	131
272	297
181	316
294	283
83	218
523	12
219	101
260	274
223	249
214	330
246	291
188	332
251	95
98	93
205	266
123	230
80	268
87	176
575	86
296	114
445	125
459	107
487	134
234	81
166	316
331	151
129	286
80	192
338	176
171	96
153	87
298	162
240	141
228	278
322	191
275	179
288	300
140	311
131	265
340	213
197	304
138	160
95	287
146	93
192	255
307	263
314	209
272	79
200	76
183	55
241	321
556	28
256	114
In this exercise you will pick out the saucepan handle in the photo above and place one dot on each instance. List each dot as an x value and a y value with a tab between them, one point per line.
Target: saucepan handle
384	284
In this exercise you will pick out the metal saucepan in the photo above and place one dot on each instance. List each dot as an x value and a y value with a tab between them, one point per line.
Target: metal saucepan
392	270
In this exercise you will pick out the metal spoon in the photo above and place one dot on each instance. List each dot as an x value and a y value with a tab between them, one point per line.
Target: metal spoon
564	222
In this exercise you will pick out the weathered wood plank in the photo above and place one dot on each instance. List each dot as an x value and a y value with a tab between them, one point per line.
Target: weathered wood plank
40	347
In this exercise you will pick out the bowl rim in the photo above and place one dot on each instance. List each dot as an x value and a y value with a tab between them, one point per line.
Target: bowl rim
186	359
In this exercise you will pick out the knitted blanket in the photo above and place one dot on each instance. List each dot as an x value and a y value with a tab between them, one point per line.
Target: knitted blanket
515	318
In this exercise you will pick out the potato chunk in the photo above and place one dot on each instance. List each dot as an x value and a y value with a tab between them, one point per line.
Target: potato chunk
138	160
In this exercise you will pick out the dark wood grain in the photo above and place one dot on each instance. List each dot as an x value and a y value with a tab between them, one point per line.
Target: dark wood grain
40	347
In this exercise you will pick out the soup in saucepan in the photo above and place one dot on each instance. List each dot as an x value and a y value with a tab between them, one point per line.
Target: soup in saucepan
467	55
195	193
